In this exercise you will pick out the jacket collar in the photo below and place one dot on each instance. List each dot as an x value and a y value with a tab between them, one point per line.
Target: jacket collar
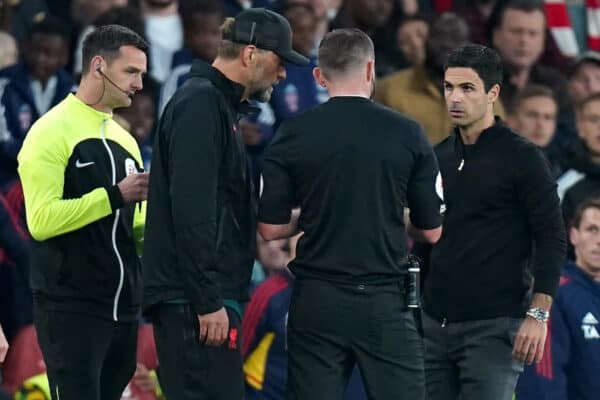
75	102
232	91
486	134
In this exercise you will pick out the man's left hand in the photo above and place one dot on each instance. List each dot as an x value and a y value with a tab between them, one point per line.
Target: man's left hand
530	340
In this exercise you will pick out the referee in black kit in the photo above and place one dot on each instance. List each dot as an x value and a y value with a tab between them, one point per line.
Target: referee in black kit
352	166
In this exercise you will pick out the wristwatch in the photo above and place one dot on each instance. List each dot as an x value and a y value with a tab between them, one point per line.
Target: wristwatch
539	314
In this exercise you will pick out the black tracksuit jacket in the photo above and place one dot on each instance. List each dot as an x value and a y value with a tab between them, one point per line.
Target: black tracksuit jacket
201	221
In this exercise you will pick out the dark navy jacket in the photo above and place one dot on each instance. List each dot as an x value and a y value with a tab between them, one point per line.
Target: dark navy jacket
18	112
570	368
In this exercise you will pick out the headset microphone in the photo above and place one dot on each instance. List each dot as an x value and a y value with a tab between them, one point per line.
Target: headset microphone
128	94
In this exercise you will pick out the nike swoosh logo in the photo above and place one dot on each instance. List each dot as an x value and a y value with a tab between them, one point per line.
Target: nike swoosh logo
79	164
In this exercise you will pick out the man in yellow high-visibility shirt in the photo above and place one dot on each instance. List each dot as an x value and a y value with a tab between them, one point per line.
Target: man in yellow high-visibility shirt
81	184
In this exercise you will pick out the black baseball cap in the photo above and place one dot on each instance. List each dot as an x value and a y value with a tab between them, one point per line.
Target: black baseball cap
587	56
266	30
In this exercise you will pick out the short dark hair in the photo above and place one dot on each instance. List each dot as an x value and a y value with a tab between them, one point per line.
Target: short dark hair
591	98
51	26
497	16
593	202
341	50
107	41
530	91
483	60
188	8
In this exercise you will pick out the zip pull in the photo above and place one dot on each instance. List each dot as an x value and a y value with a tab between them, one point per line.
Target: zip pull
461	165
444	322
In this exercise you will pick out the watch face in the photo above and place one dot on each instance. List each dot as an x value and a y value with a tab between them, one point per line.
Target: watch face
538	314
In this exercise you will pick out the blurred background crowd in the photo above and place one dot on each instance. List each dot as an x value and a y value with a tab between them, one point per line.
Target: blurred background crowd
550	95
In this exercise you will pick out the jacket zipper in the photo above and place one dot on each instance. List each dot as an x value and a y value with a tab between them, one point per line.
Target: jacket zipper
115	223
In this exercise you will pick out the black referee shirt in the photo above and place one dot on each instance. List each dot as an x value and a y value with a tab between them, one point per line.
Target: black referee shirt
501	209
352	166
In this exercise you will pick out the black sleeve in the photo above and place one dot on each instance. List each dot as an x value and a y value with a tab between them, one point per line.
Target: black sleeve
423	202
568	207
277	197
537	194
196	145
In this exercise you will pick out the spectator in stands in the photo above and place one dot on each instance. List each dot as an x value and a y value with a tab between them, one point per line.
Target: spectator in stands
477	13
298	92
19	16
325	11
587	161
164	31
141	116
518	34
534	114
480	13
273	255
32	87
571	364
371	17
584	79
417	91
265	319
411	36
84	12
202	21
9	55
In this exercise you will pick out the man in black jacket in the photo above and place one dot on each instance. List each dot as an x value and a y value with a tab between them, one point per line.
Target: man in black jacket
201	216
501	209
352	166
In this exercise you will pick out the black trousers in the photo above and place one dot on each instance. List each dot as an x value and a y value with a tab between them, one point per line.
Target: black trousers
331	328
189	370
86	357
